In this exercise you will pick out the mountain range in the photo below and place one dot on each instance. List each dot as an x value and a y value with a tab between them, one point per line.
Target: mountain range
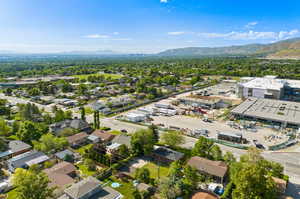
285	49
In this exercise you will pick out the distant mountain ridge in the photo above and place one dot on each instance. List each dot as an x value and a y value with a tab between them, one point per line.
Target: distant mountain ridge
285	49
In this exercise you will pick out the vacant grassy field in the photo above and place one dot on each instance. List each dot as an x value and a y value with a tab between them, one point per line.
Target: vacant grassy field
106	75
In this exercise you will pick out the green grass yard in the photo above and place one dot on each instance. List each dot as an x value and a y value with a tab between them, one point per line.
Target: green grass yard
12	194
84	170
126	188
155	169
106	75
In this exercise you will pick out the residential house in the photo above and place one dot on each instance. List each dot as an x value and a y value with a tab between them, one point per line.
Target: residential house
61	174
27	159
204	195
78	139
215	169
15	147
76	124
118	141
90	188
101	136
166	155
62	155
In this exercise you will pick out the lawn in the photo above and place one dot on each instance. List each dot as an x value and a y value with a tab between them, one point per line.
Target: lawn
106	75
88	110
155	168
11	194
82	149
13	137
84	170
126	188
115	132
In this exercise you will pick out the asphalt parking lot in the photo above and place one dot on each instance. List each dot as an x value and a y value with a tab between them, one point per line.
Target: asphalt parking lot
193	123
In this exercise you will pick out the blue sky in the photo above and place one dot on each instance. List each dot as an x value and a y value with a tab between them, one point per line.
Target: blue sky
143	25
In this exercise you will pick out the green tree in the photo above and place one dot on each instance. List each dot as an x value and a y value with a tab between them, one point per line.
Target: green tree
142	142
202	147
29	131
31	184
90	164
3	144
143	175
252	178
172	138
82	113
123	151
5	130
216	153
191	178
155	132
34	92
96	120
49	142
229	158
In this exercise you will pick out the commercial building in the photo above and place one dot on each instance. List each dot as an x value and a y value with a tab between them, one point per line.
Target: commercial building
135	117
269	87
277	112
204	101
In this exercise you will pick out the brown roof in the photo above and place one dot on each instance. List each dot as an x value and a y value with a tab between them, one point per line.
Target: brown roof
59	174
77	137
215	168
104	136
203	195
280	183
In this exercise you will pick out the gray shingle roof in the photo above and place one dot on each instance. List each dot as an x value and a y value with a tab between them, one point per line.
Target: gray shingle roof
168	153
17	146
83	188
20	161
62	154
122	139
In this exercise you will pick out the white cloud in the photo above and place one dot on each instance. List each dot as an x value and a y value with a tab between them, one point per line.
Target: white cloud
163	1
251	24
116	33
286	35
97	36
176	33
251	35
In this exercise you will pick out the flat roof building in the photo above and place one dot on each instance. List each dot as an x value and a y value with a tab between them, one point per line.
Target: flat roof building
269	87
274	111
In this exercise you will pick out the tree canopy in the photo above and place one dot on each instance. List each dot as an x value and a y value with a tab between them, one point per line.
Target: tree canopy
31	184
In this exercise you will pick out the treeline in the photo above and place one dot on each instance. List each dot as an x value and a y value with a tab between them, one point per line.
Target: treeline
180	67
